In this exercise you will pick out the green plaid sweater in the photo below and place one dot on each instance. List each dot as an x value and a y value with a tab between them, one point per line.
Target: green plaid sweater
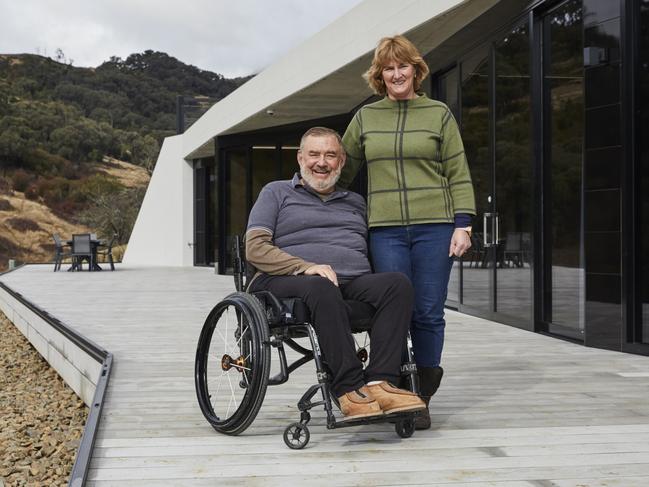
417	170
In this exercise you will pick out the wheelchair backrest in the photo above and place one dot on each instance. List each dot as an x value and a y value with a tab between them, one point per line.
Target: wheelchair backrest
243	270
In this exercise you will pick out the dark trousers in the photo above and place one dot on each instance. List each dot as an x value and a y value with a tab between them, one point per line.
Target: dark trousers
390	293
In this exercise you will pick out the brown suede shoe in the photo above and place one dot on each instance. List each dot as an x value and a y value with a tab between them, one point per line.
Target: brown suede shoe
394	400
359	404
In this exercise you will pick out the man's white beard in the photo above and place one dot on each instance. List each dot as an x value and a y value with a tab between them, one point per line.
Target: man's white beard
321	184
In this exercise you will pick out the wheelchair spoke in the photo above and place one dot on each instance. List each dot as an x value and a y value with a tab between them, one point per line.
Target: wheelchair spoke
230	358
232	363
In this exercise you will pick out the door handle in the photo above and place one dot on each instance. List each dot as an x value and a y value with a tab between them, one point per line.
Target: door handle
491	227
485	239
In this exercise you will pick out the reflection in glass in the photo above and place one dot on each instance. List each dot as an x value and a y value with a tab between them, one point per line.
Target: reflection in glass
289	161
237	208
201	191
447	87
644	164
513	174
264	168
563	84
213	214
447	90
477	283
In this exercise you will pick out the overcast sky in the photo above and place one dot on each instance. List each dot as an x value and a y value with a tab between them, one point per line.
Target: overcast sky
230	37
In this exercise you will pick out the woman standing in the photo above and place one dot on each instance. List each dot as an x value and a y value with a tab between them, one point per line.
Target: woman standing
420	195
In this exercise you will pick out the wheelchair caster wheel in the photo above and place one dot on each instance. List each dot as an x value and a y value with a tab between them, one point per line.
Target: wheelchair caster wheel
296	436
405	428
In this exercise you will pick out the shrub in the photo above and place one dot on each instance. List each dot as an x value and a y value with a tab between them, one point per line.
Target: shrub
43	162
70	171
23	224
21	180
5	186
5	205
8	250
53	191
31	193
114	213
99	184
66	209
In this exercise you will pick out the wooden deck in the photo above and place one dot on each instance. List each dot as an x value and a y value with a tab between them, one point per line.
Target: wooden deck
515	408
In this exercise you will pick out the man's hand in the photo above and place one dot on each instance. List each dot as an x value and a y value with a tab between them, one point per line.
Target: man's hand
324	271
460	243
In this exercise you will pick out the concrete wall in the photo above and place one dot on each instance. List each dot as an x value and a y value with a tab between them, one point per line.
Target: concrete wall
163	230
79	370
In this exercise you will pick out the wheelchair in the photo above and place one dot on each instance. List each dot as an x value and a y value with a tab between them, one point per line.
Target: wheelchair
233	356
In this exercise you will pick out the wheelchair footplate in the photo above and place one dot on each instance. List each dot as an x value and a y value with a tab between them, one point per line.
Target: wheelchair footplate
404	422
297	435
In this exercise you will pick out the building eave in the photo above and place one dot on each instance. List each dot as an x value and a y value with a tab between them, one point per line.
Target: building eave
322	76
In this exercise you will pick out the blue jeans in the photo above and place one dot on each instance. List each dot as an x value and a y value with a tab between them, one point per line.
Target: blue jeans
421	253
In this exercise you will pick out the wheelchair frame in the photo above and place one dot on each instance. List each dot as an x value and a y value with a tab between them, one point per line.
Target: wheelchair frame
263	322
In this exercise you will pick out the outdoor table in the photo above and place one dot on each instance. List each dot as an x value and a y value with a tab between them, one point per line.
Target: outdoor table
95	243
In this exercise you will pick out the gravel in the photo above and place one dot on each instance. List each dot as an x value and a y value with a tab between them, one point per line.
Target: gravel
41	418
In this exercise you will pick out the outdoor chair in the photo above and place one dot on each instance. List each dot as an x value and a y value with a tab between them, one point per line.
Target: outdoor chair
62	250
82	250
514	253
106	251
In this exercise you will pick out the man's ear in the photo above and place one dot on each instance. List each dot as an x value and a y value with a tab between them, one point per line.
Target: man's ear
343	159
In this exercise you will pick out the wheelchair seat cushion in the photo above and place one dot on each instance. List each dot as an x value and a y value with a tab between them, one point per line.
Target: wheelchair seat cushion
360	314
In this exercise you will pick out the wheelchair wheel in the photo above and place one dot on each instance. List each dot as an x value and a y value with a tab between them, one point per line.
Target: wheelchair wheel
296	436
233	363
405	428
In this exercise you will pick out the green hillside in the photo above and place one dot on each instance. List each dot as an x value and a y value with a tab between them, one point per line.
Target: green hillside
122	108
60	123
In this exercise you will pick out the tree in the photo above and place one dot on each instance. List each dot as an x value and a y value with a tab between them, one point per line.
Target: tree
145	152
114	213
60	56
15	139
5	94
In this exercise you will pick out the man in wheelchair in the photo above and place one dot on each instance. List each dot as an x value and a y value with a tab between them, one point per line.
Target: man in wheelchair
307	239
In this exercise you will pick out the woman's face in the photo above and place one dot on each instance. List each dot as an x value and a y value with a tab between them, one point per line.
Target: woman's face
399	78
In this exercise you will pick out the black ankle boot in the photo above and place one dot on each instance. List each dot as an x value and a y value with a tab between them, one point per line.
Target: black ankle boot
429	380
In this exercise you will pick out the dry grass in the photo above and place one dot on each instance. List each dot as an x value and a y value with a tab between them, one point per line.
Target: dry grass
127	174
32	245
33	242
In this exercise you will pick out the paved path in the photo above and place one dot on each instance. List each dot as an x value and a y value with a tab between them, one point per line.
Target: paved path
515	408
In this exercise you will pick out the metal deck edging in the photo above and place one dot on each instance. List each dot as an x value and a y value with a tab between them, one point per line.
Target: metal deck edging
84	453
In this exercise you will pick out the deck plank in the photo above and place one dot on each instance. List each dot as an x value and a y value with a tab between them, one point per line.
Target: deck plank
516	409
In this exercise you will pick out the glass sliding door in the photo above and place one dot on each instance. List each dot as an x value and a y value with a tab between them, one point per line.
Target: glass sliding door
236	208
447	91
643	171
563	310
477	278
495	113
205	212
265	168
289	160
201	199
513	174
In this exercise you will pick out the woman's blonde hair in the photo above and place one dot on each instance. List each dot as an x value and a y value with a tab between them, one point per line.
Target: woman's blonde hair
396	48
